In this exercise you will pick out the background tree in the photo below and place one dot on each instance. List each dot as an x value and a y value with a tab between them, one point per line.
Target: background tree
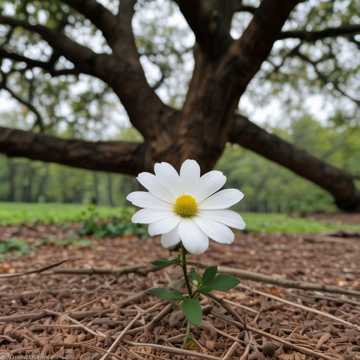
47	42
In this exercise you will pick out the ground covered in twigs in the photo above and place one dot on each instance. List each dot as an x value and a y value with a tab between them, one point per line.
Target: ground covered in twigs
82	316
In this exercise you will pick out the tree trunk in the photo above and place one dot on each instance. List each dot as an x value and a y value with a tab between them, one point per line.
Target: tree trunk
206	116
95	185
42	185
110	189
11	180
27	184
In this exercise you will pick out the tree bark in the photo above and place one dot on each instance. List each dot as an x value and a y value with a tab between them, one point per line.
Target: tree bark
110	189
116	156
12	172
27	183
96	191
41	192
336	181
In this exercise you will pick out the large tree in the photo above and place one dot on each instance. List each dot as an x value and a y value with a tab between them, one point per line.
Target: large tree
44	40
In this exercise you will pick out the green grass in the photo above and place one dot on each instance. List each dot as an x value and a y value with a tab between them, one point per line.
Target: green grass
19	213
282	223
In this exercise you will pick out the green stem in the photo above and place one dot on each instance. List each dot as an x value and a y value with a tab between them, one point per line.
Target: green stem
187	335
184	268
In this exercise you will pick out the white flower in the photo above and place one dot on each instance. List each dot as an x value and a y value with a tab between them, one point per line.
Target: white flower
187	207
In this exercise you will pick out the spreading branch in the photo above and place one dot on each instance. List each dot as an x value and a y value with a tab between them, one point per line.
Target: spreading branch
28	103
113	156
302	163
312	36
82	57
124	74
249	52
325	79
98	14
47	66
240	7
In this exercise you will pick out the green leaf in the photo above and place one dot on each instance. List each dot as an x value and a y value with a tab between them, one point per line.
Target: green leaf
223	282
192	310
160	263
166	294
209	274
194	276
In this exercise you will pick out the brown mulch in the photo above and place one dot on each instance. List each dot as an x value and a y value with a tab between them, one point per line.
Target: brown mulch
97	301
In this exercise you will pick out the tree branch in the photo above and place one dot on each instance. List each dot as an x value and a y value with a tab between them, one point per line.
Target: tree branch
336	181
238	6
115	156
98	14
325	79
312	36
124	74
249	52
208	24
33	63
82	57
4	86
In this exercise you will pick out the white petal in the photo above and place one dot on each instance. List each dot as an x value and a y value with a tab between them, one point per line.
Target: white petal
171	238
190	176
163	226
193	239
168	177
148	216
222	199
227	217
216	231
146	200
190	168
210	183
166	170
151	183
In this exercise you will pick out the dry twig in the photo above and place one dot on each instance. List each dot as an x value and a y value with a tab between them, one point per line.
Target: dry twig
41	314
115	344
278	339
247	350
173	350
36	271
155	320
74	321
303	307
231	350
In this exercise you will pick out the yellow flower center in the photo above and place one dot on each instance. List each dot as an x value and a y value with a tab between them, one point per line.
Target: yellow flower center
186	206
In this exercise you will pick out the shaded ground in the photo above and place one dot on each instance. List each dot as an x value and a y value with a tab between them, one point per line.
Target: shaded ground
340	218
97	301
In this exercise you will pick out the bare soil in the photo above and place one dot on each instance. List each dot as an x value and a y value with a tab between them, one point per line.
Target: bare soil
38	313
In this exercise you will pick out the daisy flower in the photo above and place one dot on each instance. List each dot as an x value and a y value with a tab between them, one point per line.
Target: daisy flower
187	207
